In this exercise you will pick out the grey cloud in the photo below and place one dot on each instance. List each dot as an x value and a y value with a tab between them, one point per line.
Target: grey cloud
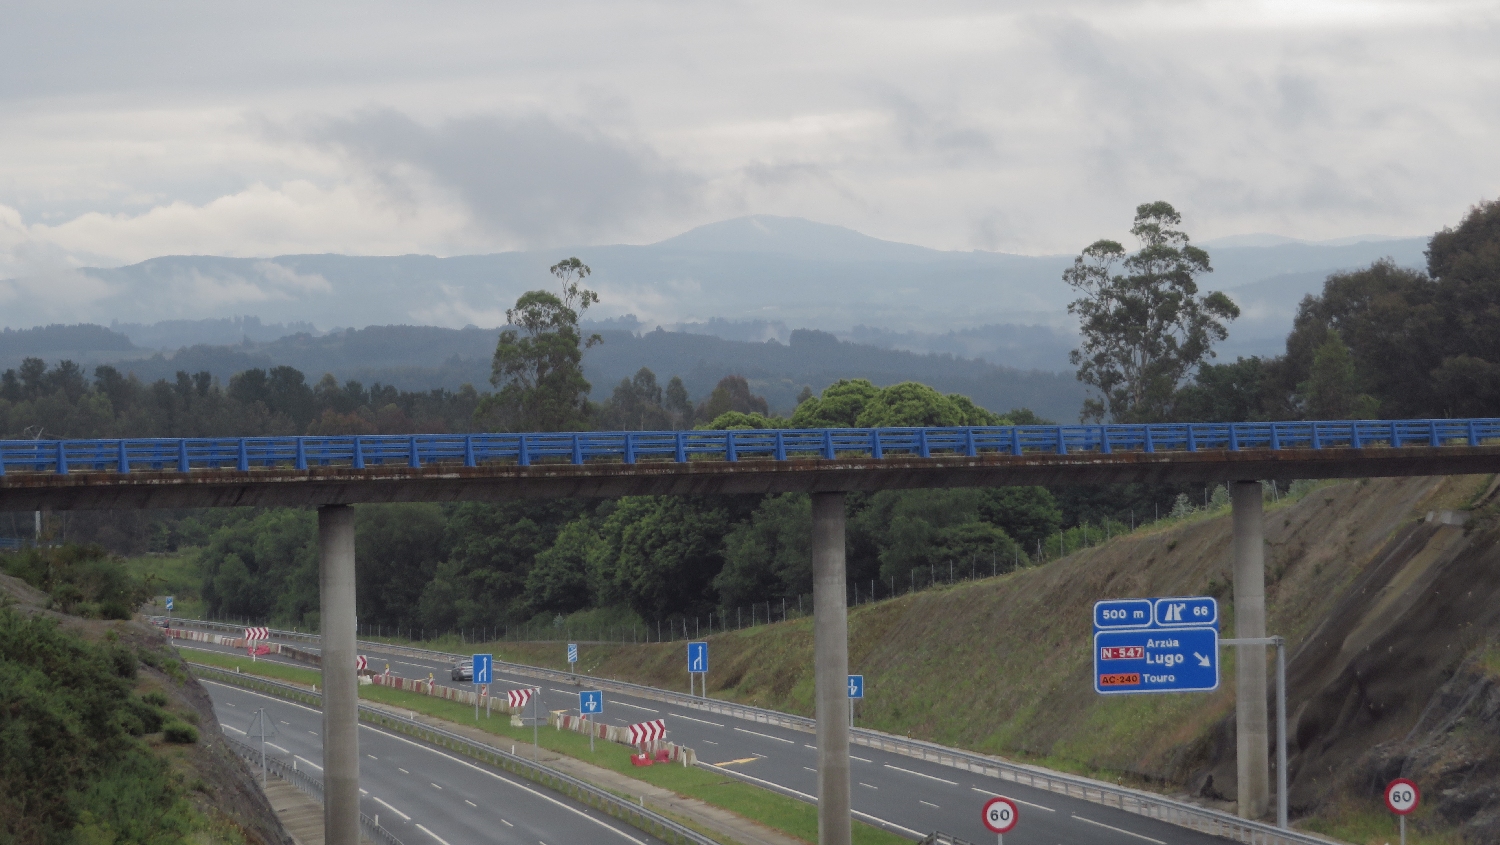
530	177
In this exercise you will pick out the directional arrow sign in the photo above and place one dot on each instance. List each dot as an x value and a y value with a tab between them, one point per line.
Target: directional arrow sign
591	702
484	669
698	657
1156	660
856	686
1187	611
572	652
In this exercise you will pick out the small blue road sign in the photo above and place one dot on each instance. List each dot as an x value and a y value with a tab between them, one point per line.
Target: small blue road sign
1122	613
1187	612
591	702
169	602
1156	660
697	657
484	669
856	686
572	652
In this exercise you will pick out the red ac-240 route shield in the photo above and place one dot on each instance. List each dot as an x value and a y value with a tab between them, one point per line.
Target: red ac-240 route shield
1000	814
1402	796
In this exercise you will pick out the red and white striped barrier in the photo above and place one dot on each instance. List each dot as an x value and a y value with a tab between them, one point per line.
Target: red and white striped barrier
644	732
257	633
518	698
361	663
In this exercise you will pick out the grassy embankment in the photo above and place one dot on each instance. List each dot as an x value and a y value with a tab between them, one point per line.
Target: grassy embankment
775	811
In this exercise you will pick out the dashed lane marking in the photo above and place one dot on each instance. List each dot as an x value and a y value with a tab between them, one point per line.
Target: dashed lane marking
433	785
867	786
860	759
233	728
309	762
634	706
1118	829
691	719
1017	800
737	762
430	833
471	803
920	775
787	790
765	736
277	747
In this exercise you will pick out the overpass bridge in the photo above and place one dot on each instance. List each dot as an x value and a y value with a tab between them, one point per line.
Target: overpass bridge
331	473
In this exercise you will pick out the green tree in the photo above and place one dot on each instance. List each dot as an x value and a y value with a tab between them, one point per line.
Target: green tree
559	579
732	393
397	549
636	405
538	365
1146	329
1331	391
839	406
659	554
770	555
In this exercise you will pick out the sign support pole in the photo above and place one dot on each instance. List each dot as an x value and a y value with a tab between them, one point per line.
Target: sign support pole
1280	644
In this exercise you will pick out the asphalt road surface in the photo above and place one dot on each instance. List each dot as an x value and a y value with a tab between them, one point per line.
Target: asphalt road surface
902	794
424	795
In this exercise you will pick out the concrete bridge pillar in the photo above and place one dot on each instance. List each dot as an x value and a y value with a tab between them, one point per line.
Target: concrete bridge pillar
1253	739
340	683
831	667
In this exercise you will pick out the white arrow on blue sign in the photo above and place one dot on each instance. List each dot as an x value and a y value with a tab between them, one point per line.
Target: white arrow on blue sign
856	686
1156	660
484	669
572	652
1186	611
591	702
169	602
697	657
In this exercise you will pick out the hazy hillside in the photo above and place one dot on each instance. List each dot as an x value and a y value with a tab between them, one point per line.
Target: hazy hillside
800	273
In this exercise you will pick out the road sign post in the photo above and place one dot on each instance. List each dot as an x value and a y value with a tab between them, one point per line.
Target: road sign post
169	611
590	703
856	692
1280	643
1000	817
481	672
698	665
573	659
1401	797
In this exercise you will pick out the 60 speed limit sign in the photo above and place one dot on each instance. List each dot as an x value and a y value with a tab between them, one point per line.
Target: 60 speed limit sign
1000	814
1401	796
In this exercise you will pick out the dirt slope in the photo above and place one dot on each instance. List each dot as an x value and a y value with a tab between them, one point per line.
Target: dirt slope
1381	610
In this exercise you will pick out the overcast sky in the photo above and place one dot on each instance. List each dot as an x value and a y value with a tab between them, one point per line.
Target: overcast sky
130	130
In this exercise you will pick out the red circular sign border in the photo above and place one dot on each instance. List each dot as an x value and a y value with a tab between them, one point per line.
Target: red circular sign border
1416	790
1015	813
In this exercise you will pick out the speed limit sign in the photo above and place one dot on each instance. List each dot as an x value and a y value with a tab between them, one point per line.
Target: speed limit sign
1402	796
1000	814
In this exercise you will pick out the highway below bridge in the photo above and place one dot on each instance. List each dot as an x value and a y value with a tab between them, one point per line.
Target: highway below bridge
332	473
906	796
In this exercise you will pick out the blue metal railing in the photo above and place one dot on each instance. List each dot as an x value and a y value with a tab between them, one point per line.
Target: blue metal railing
630	447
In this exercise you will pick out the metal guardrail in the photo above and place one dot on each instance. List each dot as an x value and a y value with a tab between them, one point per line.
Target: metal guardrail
309	786
629	447
581	791
937	837
1139	802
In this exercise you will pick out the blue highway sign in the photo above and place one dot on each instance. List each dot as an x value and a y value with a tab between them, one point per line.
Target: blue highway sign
697	657
1187	611
591	702
484	669
1156	660
1122	613
572	652
169	602
856	686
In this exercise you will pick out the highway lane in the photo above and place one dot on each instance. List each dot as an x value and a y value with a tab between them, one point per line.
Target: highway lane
424	795
908	796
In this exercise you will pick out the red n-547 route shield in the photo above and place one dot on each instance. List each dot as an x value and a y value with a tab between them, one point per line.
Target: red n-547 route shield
1000	814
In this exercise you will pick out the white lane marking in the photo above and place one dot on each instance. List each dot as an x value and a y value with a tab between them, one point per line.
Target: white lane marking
936	807
563	691
433	785
277	747
709	742
1118	829
860	759
691	719
810	769
430	833
284	722
402	771
281	701
811	800
364	792
635	706
506	823
1017	800
314	733
471	803
372	756
404	817
309	762
765	736
862	783
233	728
574	810
920	775
813	747
761	756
